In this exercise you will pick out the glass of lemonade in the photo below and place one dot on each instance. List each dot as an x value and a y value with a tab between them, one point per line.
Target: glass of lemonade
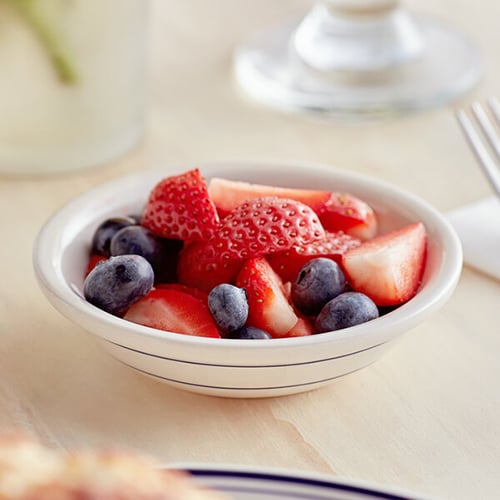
73	85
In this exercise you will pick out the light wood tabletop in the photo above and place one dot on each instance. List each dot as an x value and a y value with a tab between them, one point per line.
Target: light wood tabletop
425	418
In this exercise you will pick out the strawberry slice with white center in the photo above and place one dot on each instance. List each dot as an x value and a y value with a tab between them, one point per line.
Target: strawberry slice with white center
268	306
174	311
288	263
337	211
302	328
388	268
228	194
180	207
266	225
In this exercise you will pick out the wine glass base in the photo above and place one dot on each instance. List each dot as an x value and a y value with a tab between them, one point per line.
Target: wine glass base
271	72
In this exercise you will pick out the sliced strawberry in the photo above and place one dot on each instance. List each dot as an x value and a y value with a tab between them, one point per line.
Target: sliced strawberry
94	259
195	292
288	263
302	328
268	307
200	266
388	268
337	211
180	207
174	311
228	194
267	225
344	212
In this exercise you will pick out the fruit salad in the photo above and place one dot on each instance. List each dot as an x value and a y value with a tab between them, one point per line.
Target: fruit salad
230	259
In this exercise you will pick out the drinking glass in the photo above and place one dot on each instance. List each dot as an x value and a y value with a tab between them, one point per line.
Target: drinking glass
73	85
357	58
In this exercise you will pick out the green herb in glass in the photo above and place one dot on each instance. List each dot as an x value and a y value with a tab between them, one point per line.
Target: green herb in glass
33	13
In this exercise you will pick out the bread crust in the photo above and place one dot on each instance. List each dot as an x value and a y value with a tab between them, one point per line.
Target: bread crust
30	471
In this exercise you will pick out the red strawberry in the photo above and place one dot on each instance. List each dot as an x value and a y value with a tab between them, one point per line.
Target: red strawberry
266	225
344	212
173	311
228	194
268	307
180	207
196	292
288	263
302	328
94	259
337	211
388	268
199	265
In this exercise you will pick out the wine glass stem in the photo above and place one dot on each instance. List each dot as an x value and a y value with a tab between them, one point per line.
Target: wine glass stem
357	35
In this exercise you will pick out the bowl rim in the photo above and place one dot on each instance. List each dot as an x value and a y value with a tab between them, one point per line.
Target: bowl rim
211	475
56	288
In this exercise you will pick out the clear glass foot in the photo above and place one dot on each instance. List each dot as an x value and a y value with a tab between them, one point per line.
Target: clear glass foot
358	58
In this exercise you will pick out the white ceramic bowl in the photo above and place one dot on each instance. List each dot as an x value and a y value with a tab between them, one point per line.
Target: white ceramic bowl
238	368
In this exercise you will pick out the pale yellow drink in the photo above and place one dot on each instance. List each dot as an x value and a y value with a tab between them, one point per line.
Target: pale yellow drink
72	90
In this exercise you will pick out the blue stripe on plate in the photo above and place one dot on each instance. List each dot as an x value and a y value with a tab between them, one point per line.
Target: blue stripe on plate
289	482
228	388
323	360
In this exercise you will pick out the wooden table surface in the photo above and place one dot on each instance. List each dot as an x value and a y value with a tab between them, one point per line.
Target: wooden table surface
426	417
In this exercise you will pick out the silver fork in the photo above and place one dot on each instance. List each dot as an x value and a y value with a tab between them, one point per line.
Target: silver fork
480	127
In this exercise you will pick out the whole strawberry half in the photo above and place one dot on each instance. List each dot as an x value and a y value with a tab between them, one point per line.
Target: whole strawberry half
337	211
174	311
180	207
347	213
268	305
288	263
200	265
388	268
266	225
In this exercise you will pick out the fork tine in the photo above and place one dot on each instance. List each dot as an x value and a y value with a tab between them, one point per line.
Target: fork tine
495	108
487	127
483	155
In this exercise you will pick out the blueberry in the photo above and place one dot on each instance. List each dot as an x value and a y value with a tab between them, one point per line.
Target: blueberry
118	282
135	240
229	307
161	253
105	231
251	333
345	310
319	281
